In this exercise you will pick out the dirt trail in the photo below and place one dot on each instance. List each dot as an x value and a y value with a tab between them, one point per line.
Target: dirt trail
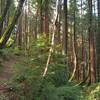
6	73
7	69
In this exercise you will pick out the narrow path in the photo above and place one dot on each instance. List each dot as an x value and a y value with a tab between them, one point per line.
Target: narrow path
6	73
7	69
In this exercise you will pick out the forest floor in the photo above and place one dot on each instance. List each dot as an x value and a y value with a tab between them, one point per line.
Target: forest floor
6	73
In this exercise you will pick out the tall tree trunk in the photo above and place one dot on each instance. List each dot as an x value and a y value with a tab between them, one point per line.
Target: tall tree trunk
98	41
75	59
36	25
41	19
19	33
92	72
82	69
65	37
47	17
65	34
58	23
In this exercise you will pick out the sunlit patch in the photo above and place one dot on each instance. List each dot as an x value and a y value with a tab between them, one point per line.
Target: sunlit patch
16	3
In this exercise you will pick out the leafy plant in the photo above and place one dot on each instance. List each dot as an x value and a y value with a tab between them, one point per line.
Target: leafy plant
93	92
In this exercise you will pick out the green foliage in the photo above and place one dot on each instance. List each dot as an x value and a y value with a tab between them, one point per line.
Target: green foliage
28	82
93	92
2	97
0	18
50	92
8	52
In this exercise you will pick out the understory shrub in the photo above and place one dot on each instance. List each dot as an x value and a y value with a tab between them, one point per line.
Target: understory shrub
29	76
28	82
93	92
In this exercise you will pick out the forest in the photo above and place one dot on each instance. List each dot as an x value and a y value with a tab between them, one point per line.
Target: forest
49	50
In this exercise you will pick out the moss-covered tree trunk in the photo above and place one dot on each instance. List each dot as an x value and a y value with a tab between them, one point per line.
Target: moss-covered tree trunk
3	16
10	28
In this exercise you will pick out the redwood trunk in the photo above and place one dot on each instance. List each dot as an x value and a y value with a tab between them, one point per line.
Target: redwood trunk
92	72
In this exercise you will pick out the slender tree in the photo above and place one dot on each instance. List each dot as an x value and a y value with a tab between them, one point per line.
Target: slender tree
47	17
41	17
75	58
65	34
19	33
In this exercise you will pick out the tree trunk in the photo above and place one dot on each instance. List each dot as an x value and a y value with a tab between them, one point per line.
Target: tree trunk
92	73
98	42
65	34
8	32
47	17
19	34
3	17
41	19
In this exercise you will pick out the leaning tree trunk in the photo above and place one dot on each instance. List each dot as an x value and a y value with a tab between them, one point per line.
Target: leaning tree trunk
3	16
8	32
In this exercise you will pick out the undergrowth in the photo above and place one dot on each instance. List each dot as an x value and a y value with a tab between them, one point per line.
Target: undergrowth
54	86
28	82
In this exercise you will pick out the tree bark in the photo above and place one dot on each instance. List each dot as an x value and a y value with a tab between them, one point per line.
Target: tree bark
41	19
19	33
65	34
7	33
92	72
47	17
3	17
98	42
